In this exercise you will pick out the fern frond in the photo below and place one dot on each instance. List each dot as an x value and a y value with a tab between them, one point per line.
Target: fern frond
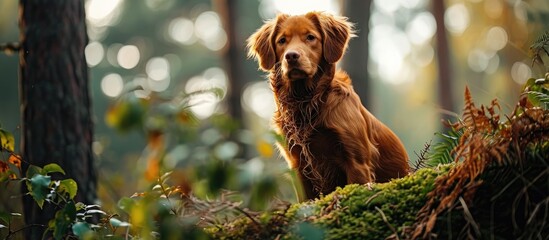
541	45
422	157
442	150
538	97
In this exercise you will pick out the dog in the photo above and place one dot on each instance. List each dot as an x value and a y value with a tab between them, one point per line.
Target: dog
330	138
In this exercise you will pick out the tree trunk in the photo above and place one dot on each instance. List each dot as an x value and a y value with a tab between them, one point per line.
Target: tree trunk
55	103
233	58
355	62
234	55
445	97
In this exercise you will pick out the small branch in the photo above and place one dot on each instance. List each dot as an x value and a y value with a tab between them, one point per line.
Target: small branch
10	48
23	228
387	222
421	157
256	223
469	217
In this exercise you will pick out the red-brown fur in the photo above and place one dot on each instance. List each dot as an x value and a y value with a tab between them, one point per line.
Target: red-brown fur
331	139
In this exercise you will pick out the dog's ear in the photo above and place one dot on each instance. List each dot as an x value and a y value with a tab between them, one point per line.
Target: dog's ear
261	44
336	32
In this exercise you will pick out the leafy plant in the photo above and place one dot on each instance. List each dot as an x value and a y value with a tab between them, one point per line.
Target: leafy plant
488	143
71	219
540	46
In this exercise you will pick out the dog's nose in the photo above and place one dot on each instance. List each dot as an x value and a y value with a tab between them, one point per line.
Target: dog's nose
291	56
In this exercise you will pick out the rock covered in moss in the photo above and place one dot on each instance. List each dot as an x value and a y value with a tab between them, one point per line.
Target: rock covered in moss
374	211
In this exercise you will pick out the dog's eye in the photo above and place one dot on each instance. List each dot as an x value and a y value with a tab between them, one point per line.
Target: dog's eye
311	37
282	40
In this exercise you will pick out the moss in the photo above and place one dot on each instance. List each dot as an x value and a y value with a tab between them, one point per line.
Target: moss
510	203
373	211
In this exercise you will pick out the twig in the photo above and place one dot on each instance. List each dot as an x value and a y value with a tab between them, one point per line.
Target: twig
469	216
247	215
372	197
421	157
23	228
10	48
387	222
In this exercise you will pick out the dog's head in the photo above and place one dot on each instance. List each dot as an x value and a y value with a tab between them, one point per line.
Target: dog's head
298	44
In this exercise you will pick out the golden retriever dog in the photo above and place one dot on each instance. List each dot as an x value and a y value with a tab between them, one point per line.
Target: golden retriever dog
330	138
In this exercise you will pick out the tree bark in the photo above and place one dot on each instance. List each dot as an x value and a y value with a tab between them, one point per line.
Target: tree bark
355	62
445	97
234	59
233	56
55	103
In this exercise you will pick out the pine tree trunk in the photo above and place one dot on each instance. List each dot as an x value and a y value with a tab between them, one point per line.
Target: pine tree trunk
55	103
233	58
355	61
445	96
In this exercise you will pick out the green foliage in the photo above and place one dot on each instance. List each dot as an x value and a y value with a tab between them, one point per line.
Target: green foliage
537	91
39	187
64	218
540	46
442	151
7	142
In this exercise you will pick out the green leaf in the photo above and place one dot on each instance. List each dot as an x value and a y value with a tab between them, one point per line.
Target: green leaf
81	229
63	219
33	170
52	167
117	223
69	186
38	187
5	217
7	141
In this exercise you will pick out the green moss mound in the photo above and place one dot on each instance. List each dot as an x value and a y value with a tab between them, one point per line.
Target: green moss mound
375	211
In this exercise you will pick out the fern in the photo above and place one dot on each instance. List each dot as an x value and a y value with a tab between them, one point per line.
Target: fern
541	45
541	99
422	158
442	151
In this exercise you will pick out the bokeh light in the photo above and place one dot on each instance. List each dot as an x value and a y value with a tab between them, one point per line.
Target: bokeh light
182	30
456	18
103	12
422	28
94	53
295	7
388	48
209	30
204	105
478	60
128	56
158	68
258	97
112	85
496	38
520	72
211	78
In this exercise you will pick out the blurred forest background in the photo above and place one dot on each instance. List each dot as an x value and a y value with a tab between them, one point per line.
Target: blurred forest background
410	63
